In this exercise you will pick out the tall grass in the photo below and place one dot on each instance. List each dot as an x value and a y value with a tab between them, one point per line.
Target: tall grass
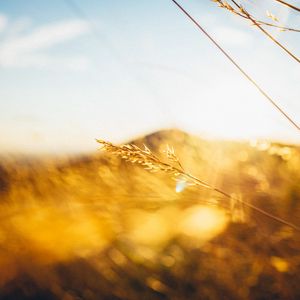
174	168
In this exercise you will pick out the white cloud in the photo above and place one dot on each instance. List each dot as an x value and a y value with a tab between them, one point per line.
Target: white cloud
232	36
18	27
75	62
3	22
26	50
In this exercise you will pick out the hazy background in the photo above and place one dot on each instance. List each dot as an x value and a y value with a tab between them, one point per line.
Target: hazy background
73	71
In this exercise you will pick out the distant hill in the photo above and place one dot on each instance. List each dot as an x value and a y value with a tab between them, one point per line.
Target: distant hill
97	227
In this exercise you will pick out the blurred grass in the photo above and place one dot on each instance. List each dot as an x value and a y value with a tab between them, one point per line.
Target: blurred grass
96	227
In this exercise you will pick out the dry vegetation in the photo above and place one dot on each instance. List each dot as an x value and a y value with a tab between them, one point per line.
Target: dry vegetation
99	227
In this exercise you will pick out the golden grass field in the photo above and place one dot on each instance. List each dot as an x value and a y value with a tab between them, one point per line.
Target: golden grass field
98	227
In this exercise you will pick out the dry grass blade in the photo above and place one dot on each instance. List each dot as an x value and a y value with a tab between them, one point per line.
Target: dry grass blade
248	77
288	5
151	162
170	152
242	12
144	157
256	23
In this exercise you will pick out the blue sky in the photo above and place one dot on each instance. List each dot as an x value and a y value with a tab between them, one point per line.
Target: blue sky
119	69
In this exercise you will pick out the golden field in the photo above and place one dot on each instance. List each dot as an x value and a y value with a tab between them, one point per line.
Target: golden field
98	227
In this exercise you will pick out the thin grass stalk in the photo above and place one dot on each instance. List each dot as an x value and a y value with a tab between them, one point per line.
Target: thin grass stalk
151	162
242	13
248	77
288	5
265	32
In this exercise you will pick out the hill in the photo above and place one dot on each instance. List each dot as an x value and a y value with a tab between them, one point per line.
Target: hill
97	227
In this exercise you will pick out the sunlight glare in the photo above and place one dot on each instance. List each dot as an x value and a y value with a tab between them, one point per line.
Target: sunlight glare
203	222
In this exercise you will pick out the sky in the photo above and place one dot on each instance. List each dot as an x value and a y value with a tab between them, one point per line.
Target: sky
72	71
